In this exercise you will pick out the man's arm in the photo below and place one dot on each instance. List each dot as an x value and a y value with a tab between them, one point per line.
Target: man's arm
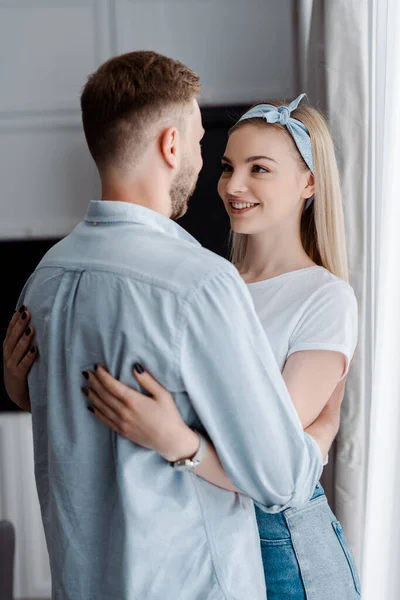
323	428
233	381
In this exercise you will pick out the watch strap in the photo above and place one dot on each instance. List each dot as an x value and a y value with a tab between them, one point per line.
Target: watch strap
189	464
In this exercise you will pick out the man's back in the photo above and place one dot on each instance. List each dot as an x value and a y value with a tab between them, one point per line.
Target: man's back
119	522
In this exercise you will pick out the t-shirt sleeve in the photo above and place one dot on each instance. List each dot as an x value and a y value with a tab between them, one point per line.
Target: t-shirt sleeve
329	322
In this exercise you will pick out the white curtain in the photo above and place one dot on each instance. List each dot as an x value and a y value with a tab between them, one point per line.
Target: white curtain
381	561
351	50
336	81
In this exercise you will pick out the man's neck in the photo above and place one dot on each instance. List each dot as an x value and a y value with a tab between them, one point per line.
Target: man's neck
136	193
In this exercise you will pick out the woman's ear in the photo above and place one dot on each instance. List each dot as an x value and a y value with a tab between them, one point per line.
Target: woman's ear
309	188
169	145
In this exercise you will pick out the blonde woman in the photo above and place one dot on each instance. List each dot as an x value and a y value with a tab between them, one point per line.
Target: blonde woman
280	187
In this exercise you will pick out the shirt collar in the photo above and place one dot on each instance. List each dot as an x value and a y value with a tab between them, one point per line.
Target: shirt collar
114	211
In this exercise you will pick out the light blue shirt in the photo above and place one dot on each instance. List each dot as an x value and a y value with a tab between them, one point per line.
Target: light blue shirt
130	285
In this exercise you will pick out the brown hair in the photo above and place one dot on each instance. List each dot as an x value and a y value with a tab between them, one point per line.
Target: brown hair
322	224
126	96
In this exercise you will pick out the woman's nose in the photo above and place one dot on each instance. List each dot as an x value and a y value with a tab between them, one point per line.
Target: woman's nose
236	185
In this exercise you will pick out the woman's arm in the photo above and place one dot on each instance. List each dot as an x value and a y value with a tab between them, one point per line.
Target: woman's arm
155	422
151	421
311	377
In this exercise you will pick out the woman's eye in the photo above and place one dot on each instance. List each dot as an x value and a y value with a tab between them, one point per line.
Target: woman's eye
259	169
226	168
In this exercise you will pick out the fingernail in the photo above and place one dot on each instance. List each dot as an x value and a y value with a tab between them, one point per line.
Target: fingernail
95	367
85	374
138	368
85	391
22	308
27	331
23	316
32	349
91	409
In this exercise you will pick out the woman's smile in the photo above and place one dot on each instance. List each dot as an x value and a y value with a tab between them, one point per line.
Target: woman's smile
240	207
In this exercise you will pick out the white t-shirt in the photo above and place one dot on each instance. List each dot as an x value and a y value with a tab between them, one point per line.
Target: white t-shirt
308	309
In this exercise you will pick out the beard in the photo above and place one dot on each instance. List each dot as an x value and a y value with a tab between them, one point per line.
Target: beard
182	188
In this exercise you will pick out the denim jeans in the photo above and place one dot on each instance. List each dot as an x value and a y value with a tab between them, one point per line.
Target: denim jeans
306	555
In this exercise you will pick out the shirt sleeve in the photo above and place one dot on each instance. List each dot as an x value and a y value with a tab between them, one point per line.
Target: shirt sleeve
234	383
329	322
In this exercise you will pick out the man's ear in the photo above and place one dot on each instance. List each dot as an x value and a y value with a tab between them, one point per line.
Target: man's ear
169	145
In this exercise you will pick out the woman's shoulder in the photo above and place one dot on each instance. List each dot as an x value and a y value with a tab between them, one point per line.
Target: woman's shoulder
325	282
328	315
331	292
303	292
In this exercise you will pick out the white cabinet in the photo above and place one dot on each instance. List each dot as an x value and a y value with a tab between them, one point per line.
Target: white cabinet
19	504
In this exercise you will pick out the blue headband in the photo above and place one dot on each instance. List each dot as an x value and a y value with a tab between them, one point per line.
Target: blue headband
298	131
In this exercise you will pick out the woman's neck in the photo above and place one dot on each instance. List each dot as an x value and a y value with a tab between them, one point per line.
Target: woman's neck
270	254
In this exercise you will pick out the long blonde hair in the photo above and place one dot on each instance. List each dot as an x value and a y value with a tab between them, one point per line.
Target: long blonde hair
322	224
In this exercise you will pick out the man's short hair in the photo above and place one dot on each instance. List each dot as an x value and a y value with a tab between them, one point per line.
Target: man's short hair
126	97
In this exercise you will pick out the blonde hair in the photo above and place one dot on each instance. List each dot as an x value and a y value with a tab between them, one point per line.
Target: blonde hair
322	224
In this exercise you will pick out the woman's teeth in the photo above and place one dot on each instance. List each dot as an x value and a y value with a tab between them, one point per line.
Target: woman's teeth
240	205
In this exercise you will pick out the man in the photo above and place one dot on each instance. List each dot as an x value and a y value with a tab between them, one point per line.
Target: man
128	285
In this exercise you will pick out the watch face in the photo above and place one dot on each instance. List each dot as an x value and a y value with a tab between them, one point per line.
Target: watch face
186	465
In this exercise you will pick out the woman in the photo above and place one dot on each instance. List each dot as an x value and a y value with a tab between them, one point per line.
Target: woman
280	187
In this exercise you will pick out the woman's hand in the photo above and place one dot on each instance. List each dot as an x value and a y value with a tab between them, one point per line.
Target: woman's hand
151	421
18	357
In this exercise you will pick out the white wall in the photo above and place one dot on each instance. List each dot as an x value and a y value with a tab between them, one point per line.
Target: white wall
242	49
19	504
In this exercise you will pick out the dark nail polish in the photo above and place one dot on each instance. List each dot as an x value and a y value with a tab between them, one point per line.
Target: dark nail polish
23	316
85	374
85	391
91	409
27	331
21	308
95	367
138	368
32	349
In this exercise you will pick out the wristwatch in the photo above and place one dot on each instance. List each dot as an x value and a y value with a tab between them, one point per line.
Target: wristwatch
189	464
